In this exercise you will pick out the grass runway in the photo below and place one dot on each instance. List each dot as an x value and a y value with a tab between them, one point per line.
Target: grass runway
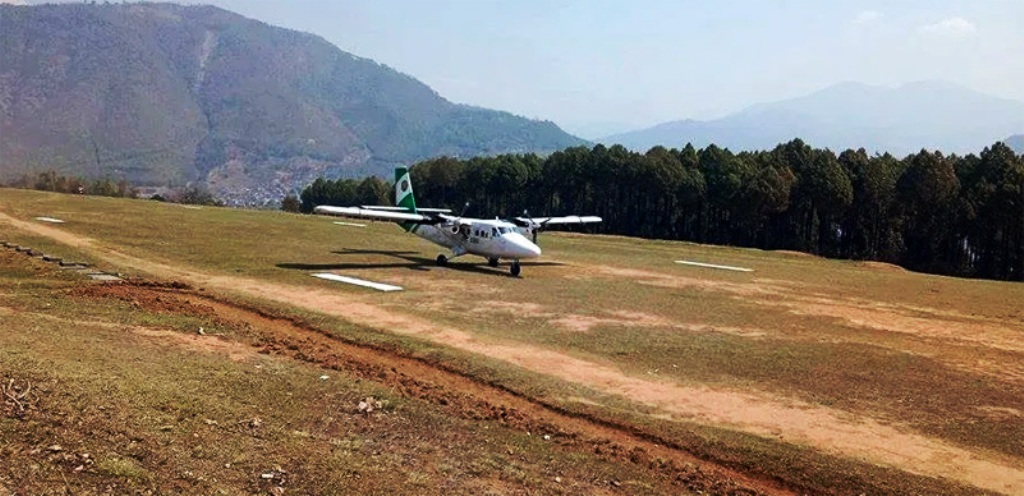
806	375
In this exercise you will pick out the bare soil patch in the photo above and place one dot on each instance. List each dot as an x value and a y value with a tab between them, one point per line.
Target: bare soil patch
1000	412
795	253
586	323
572	322
755	288
883	266
987	335
234	351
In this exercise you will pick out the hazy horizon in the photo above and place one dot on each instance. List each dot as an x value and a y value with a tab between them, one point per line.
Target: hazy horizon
600	67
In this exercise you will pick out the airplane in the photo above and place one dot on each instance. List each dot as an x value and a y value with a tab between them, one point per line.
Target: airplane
492	239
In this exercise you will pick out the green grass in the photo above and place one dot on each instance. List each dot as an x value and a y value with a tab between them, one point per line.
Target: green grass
922	381
123	468
139	413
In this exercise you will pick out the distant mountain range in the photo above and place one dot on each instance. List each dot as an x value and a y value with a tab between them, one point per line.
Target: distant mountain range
931	115
1016	143
168	94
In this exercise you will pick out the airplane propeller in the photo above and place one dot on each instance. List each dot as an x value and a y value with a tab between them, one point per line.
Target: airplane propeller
456	224
534	226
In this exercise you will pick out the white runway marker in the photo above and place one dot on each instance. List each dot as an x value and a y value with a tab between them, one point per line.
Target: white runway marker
50	219
350	224
358	282
713	266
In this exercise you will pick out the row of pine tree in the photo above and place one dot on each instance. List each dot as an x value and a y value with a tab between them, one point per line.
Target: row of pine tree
928	212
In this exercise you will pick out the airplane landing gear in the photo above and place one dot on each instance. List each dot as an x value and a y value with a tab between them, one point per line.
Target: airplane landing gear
515	269
442	260
493	262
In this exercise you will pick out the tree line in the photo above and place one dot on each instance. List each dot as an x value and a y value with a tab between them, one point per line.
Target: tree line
50	180
342	192
927	212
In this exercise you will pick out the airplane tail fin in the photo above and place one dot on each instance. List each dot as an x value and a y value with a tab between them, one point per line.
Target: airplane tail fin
403	189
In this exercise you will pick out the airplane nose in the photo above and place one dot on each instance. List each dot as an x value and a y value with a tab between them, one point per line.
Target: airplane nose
527	249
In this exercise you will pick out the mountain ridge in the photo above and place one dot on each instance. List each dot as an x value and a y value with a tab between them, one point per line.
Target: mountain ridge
161	93
1016	143
901	120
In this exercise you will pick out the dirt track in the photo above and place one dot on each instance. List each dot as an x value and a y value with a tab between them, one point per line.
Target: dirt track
759	413
464	396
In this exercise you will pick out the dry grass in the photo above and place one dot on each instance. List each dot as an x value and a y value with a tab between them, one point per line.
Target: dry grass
935	357
126	401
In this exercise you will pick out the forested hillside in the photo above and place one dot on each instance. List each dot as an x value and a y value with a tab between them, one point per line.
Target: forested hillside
928	212
163	94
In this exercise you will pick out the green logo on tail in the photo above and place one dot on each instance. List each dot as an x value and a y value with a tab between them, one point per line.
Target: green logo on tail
403	194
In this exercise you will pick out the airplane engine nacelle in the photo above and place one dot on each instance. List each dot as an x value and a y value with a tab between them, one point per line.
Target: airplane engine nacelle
455	229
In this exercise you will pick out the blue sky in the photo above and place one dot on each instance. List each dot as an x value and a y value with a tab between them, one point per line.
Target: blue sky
600	66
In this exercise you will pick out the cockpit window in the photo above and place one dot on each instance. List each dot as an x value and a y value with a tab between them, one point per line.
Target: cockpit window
503	230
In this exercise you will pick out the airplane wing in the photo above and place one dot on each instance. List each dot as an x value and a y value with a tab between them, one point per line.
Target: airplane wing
549	221
462	221
374	214
389	208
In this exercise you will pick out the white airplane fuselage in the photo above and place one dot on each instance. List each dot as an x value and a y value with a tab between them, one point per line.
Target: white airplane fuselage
491	239
494	240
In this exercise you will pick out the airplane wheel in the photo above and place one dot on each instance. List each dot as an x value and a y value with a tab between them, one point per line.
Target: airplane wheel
442	260
493	262
516	269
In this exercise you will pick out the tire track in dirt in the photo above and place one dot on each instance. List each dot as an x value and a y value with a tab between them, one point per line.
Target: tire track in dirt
790	420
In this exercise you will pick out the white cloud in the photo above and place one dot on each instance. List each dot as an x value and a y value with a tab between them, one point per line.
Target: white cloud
867	17
954	27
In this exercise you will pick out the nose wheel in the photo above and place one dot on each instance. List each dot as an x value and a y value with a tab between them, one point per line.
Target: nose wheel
515	269
442	260
493	262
